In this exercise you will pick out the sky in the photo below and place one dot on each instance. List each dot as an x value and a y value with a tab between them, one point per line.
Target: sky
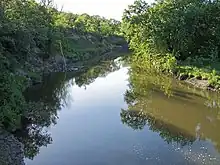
106	8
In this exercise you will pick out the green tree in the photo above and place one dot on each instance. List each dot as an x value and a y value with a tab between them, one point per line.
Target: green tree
184	29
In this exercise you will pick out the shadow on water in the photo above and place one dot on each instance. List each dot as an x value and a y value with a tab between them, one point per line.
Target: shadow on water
45	100
180	113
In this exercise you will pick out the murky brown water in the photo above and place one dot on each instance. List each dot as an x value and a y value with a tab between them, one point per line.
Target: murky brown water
113	114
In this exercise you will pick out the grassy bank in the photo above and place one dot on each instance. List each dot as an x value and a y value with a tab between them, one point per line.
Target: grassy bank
206	70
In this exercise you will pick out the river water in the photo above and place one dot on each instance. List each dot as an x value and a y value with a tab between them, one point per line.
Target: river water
112	114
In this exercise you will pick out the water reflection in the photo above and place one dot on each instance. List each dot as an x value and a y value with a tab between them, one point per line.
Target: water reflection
101	70
168	132
48	98
45	100
180	113
184	119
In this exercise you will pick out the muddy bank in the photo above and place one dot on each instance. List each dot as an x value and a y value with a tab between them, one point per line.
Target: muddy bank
197	82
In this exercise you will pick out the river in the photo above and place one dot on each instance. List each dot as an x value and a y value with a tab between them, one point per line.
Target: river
112	114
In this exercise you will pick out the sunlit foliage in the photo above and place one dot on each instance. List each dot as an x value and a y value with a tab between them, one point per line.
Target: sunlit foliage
177	36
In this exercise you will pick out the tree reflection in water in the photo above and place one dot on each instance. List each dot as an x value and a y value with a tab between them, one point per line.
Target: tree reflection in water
101	70
137	120
148	88
46	99
138	98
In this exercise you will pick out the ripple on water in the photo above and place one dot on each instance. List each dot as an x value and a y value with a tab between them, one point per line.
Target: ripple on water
195	154
198	153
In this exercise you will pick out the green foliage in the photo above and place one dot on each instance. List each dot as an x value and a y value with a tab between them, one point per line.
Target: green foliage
97	24
11	100
31	32
171	32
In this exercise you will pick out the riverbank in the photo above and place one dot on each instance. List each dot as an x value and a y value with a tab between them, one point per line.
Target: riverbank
36	39
202	75
20	73
58	63
189	51
205	77
198	83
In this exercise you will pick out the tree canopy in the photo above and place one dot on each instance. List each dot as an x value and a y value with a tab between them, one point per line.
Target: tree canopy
184	28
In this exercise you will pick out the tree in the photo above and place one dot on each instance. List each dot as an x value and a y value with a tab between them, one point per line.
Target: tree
181	28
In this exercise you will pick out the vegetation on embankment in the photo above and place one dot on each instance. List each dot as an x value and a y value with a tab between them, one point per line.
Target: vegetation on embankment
36	37
177	37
